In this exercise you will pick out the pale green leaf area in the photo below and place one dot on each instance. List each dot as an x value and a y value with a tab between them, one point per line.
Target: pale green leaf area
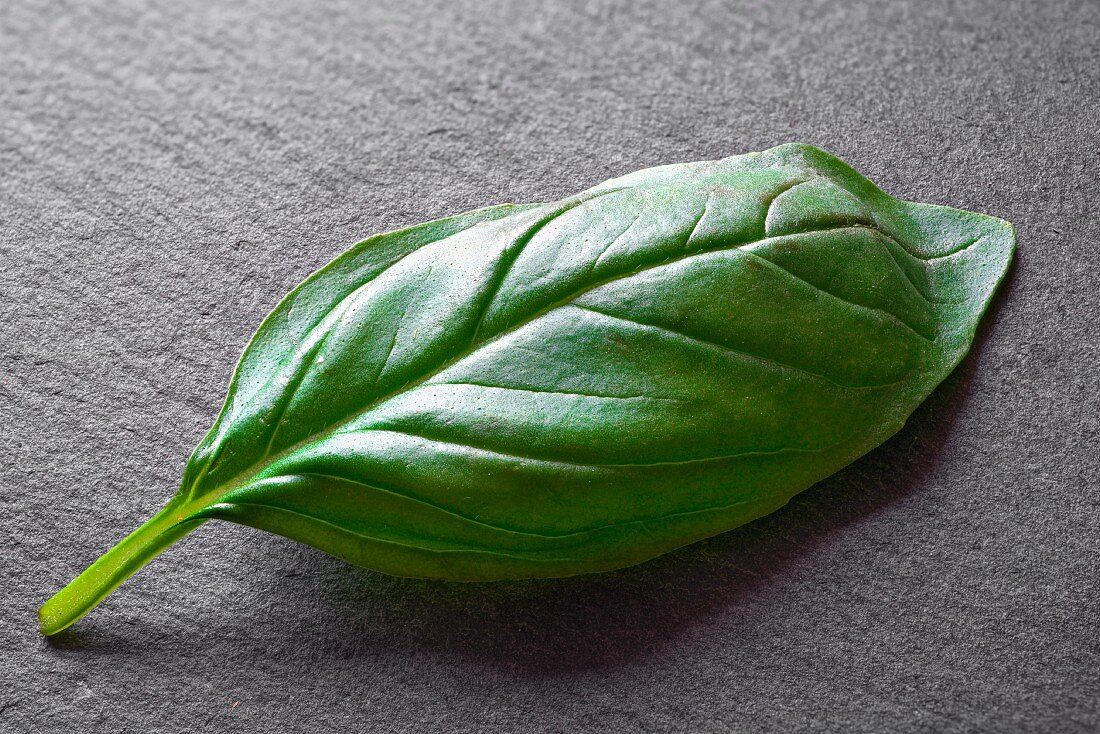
552	389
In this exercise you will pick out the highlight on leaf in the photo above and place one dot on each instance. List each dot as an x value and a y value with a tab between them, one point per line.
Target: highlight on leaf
553	389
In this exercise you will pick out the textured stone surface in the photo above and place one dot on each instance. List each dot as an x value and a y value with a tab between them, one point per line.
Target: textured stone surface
169	170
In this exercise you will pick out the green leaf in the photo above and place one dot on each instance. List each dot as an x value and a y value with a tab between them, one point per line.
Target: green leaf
555	389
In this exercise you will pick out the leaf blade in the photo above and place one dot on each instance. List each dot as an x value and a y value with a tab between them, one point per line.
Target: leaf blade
530	295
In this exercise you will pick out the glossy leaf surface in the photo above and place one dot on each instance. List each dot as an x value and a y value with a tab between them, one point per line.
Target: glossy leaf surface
553	389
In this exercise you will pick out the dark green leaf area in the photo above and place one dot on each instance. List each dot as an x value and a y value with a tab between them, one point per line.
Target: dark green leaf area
584	384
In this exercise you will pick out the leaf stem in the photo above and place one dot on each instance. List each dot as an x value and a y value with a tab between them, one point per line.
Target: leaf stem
116	565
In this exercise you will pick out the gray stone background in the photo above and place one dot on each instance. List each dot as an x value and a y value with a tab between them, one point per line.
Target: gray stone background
168	170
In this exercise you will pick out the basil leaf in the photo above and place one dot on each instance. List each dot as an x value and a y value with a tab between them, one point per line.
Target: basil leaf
554	389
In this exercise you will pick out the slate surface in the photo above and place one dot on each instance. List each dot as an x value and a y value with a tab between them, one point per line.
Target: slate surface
169	170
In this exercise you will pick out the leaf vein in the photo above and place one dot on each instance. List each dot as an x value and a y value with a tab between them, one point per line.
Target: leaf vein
616	238
578	534
561	392
521	458
770	361
889	316
512	254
